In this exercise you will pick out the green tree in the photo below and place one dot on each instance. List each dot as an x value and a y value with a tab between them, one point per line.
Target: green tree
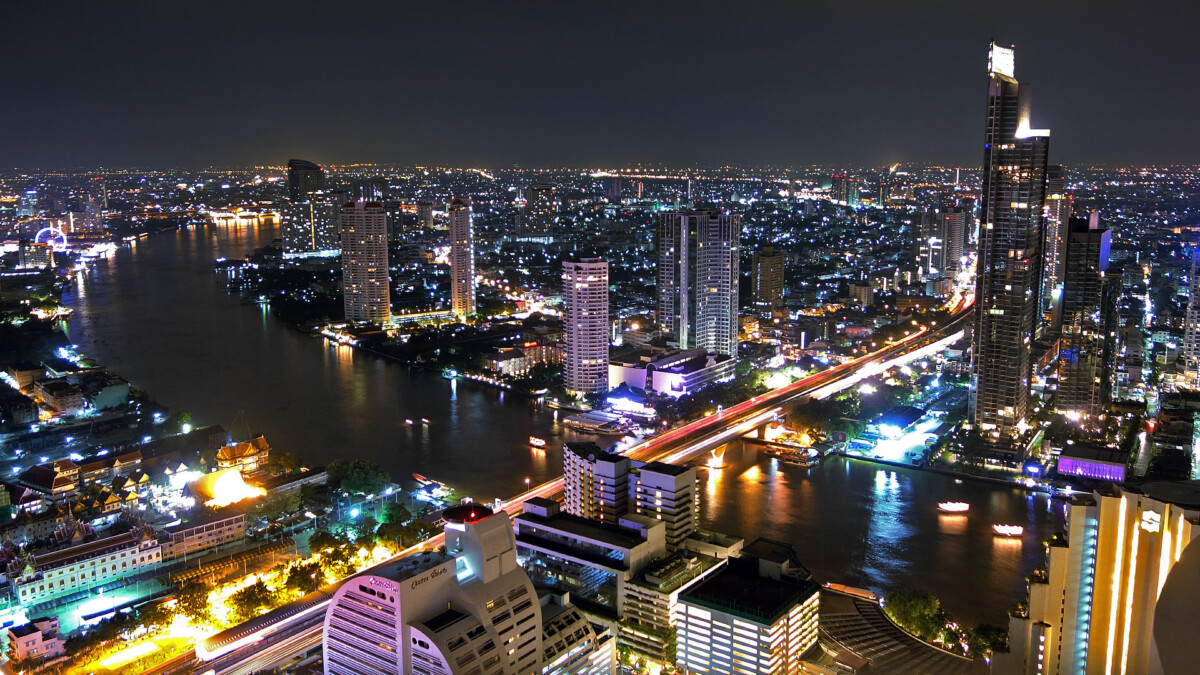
323	539
358	476
364	531
1170	464
396	513
154	614
192	598
282	463
305	578
250	601
916	612
985	639
392	533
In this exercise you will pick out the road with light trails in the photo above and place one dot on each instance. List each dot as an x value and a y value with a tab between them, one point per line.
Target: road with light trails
280	634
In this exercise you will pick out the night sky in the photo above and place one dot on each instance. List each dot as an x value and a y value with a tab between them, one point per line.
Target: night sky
571	83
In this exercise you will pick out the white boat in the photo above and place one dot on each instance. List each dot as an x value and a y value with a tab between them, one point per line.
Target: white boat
537	442
954	507
1008	530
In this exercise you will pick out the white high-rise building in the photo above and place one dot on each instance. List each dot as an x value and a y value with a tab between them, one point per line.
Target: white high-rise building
462	258
585	325
595	483
757	614
667	492
1191	332
1108	597
472	609
698	279
365	284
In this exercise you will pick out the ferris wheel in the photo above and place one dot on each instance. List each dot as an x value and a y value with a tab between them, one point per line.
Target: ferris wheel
56	238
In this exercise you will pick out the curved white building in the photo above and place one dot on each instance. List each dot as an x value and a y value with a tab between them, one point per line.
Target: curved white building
471	611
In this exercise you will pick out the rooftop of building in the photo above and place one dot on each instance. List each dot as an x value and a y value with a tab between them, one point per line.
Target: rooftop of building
664	468
667	575
739	590
29	628
667	359
1095	453
410	566
590	451
208	518
774	551
583	528
1180	493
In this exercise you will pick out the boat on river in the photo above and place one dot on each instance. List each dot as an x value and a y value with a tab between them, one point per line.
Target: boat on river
1008	530
954	507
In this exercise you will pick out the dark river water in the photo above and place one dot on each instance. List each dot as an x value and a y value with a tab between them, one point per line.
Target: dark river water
158	315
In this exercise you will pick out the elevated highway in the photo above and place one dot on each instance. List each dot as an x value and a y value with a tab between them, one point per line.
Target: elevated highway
295	628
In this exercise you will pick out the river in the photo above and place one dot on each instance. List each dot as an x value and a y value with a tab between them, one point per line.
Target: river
157	314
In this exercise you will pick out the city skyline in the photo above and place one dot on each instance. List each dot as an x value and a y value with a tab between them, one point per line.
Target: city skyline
592	88
559	422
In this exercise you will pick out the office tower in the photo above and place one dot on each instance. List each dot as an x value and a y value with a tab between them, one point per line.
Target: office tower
305	179
535	217
1093	608
365	282
941	240
369	190
1191	331
595	483
1058	213
311	227
768	277
456	612
425	216
462	258
612	188
1009	275
667	492
585	325
698	279
1087	319
845	189
758	614
954	224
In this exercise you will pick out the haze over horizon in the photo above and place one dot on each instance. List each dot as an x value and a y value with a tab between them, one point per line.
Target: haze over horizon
545	85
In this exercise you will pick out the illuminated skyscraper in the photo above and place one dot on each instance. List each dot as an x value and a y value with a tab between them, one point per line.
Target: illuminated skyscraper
1009	277
305	179
844	189
536	216
1088	319
1058	213
310	227
365	284
768	277
1093	608
1191	330
585	325
698	279
462	259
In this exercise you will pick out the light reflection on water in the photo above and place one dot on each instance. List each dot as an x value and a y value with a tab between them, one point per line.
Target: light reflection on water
167	324
879	527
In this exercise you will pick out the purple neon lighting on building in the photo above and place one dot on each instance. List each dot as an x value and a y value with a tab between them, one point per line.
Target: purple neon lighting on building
1099	470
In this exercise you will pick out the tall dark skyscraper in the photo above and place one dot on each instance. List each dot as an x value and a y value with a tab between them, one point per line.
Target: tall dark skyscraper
698	279
1009	276
1087	319
304	179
